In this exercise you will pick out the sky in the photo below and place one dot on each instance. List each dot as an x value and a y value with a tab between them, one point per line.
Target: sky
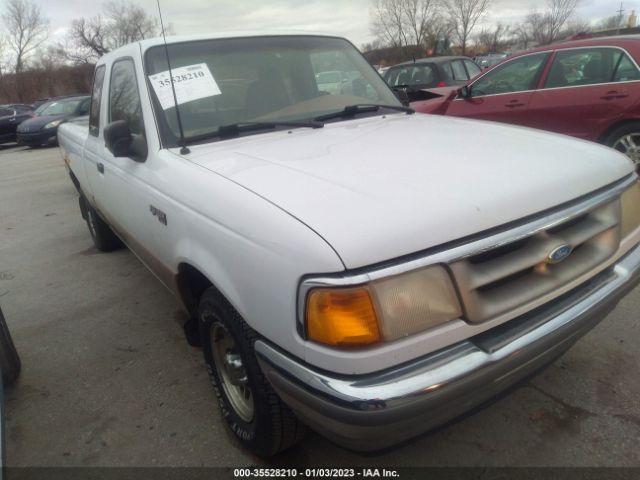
348	18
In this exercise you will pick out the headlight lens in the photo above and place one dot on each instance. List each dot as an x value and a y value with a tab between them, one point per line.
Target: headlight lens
630	204
53	124
383	310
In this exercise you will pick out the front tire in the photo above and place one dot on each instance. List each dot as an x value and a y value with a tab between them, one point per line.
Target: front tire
626	139
103	237
254	413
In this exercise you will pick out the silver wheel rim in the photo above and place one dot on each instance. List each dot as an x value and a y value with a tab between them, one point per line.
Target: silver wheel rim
231	371
629	145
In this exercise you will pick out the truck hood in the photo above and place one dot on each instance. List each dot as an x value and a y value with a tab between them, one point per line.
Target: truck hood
381	187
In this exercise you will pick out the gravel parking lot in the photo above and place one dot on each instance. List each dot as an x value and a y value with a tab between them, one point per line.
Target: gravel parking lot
108	378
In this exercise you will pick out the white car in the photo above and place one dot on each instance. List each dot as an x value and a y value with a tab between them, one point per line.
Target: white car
351	266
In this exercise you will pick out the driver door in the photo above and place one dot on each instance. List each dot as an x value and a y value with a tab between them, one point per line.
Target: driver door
503	94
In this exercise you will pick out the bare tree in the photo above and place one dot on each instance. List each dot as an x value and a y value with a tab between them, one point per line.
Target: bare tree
493	39
610	23
523	35
400	23
129	22
576	26
418	14
547	27
464	15
26	29
122	22
88	40
388	22
560	11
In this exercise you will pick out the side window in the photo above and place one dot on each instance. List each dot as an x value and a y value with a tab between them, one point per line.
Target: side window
448	72
516	75
472	69
96	98
418	74
459	73
83	109
124	99
589	66
626	70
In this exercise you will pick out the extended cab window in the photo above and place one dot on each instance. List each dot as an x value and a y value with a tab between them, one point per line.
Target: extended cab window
589	66
124	99
96	98
519	74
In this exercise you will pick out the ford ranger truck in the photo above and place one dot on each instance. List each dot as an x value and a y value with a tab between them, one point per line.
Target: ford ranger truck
351	266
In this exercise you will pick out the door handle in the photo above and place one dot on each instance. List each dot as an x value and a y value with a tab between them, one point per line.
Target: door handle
100	167
613	95
514	104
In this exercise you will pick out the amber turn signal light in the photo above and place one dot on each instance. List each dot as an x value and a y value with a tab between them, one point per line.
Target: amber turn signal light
342	317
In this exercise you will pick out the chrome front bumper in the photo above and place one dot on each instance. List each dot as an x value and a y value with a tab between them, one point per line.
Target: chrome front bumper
374	411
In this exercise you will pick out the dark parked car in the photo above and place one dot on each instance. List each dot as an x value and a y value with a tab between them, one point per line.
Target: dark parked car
10	117
430	73
43	128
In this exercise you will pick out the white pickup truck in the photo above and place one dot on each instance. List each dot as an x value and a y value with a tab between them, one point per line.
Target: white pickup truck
351	266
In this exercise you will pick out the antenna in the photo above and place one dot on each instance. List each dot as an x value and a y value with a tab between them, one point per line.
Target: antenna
183	144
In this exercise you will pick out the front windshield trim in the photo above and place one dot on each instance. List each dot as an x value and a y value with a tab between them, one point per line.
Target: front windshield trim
170	139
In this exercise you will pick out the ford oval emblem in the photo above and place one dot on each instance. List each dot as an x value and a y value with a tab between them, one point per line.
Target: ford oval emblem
558	254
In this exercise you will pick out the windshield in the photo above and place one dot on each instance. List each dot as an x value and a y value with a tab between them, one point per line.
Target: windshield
59	107
259	79
422	74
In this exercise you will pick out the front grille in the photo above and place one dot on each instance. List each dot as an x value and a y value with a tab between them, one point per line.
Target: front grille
506	277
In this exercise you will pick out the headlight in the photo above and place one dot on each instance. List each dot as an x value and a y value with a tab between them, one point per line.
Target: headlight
53	124
382	310
630	204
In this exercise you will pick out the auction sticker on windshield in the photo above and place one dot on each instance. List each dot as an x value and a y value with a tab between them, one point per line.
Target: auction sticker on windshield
192	82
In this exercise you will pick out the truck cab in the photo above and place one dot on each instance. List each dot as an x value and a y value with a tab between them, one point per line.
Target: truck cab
348	265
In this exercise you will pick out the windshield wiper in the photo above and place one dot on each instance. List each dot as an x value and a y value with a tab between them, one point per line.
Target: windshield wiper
351	110
235	129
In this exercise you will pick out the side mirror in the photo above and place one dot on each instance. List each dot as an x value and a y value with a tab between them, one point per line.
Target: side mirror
402	95
122	143
465	91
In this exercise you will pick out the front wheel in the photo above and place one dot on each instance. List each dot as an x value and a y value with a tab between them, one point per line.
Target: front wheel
253	411
626	139
103	237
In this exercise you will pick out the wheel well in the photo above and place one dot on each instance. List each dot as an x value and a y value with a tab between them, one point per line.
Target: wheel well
615	126
191	285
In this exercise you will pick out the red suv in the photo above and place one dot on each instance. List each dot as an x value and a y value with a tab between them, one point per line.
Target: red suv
589	89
